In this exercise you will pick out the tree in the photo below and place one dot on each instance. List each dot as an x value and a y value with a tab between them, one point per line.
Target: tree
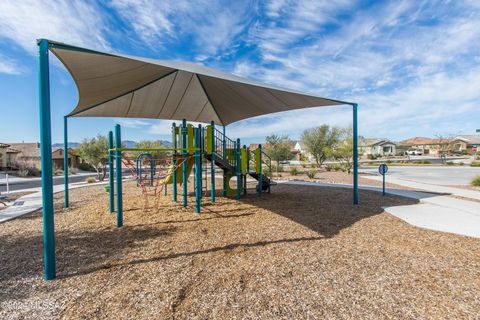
343	152
321	141
279	148
149	144
95	152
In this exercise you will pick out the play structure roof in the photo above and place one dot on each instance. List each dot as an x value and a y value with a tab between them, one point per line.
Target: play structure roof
116	85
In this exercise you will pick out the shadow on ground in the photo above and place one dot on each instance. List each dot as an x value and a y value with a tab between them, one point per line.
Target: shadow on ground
325	210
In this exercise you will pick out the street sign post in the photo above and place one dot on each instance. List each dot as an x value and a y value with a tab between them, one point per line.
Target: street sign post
383	169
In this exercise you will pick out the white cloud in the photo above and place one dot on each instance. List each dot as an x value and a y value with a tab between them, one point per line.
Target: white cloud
132	123
212	25
409	64
9	66
74	22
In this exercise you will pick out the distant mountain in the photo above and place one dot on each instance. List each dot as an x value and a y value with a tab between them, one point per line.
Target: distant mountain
70	145
129	143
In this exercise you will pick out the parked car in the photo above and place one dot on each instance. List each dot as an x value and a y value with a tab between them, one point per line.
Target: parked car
415	152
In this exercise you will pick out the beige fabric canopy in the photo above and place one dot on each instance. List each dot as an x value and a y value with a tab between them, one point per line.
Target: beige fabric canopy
114	85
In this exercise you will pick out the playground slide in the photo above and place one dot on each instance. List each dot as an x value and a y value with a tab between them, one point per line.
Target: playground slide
169	178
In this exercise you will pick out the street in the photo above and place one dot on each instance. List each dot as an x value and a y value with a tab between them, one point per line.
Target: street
441	175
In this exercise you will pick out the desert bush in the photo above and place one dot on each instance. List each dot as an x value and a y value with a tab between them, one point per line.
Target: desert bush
475	164
476	181
372	156
312	173
57	172
72	171
461	163
450	163
22	173
85	167
277	168
293	171
90	180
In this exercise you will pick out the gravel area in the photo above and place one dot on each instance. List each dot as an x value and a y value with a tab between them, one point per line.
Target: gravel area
299	252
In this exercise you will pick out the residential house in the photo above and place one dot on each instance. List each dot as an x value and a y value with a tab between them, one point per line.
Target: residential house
7	156
466	143
429	146
301	153
376	147
28	156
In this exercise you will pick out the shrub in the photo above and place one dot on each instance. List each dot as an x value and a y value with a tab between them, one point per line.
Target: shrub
72	171
329	167
450	163
461	163
23	173
277	168
28	171
293	171
389	161
311	173
85	167
371	157
476	181
58	172
475	164
90	180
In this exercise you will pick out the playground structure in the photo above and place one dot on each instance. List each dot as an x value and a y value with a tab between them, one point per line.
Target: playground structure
192	148
121	86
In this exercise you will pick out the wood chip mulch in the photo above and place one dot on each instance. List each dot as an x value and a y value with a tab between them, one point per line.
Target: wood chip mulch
298	253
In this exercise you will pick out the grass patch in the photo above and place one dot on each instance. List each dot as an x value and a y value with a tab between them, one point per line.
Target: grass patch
476	181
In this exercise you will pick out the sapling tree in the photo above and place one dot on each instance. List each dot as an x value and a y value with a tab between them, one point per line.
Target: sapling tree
321	141
95	152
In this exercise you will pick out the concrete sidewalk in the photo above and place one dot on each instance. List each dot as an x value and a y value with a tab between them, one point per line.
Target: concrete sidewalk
435	212
464	193
33	202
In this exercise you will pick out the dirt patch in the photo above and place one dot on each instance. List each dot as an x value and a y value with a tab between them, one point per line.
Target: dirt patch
299	252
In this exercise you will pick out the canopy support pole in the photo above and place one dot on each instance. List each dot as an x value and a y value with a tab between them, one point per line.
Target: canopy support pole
65	162
46	160
111	178
238	168
118	167
355	154
224	159
198	170
212	163
184	163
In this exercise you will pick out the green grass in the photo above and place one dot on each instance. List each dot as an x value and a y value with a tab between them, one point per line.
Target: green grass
476	181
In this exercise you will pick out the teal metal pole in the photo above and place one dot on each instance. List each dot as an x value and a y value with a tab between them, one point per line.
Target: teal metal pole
355	154
65	162
46	160
174	162
184	163
198	170
118	167
111	178
260	177
224	159
238	169
245	176
212	171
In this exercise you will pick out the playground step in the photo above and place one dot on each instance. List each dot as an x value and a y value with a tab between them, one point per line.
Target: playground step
266	182
221	163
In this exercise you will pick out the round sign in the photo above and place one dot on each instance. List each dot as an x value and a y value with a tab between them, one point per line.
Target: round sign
383	168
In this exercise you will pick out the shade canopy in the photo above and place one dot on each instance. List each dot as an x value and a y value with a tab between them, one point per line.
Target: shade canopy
115	85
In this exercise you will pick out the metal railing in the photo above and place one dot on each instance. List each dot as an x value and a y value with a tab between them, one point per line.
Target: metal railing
224	147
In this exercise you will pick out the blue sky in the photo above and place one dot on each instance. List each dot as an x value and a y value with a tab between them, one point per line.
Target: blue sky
413	66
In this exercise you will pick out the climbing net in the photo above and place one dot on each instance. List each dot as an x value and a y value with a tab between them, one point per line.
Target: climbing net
152	175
